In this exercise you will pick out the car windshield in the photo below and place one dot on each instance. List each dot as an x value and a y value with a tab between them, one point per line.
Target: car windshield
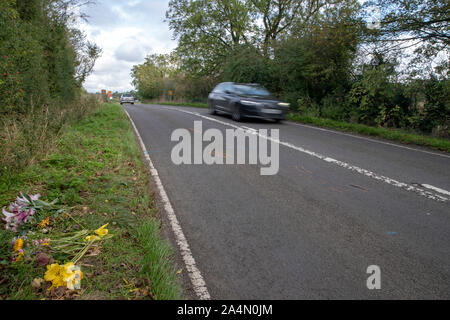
251	90
127	95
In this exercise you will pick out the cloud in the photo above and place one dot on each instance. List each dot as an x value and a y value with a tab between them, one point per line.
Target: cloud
127	31
130	51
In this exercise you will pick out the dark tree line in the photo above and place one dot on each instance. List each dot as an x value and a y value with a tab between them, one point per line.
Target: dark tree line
44	60
319	55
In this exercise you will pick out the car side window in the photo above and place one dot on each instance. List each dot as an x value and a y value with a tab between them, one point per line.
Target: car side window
229	87
219	88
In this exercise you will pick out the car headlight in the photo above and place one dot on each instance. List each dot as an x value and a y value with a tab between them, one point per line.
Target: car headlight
251	103
284	104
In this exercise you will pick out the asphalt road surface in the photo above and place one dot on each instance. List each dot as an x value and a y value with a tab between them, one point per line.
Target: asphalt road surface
339	204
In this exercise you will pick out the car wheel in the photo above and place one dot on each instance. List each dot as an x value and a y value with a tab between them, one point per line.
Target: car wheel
212	109
236	115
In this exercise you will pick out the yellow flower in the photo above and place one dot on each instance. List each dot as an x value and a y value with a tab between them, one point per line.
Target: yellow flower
67	275
44	223
18	245
102	231
53	275
52	272
71	275
19	256
91	238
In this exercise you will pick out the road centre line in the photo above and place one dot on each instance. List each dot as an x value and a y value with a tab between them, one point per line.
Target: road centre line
367	173
368	139
428	186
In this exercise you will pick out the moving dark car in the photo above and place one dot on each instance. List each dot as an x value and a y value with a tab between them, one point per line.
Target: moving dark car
246	100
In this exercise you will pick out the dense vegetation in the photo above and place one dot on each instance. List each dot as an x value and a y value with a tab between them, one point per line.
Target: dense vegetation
44	60
322	56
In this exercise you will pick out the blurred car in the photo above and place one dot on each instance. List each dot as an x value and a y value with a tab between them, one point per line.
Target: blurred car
246	100
126	98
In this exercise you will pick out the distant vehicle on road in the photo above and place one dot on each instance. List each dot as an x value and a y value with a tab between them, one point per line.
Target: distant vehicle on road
126	98
246	100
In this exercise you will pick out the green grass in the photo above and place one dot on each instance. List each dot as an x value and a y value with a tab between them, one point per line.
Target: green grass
97	172
390	134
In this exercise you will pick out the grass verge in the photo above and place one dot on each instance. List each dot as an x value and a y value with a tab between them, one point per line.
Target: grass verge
390	134
98	175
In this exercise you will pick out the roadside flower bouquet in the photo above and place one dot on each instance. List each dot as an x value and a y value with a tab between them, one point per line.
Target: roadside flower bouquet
26	210
31	218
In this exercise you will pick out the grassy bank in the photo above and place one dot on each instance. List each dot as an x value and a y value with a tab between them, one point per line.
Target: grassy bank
389	134
97	173
29	136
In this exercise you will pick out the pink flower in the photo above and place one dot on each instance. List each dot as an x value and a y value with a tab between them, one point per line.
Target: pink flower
8	215
21	211
35	197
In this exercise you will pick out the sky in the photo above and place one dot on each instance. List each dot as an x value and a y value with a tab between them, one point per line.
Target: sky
127	31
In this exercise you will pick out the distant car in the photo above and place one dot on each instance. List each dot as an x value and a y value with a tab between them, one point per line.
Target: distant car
126	98
246	100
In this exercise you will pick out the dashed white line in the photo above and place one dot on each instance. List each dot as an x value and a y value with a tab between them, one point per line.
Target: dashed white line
194	273
428	186
369	139
367	173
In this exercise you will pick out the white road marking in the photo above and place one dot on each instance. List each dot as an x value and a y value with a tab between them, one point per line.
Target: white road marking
428	186
249	129
367	173
369	139
194	273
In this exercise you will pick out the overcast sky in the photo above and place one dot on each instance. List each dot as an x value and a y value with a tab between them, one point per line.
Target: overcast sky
127	31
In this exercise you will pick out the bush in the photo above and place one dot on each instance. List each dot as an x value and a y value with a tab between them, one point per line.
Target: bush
25	139
246	64
39	86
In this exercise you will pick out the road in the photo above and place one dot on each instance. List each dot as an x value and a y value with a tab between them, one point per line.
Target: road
338	204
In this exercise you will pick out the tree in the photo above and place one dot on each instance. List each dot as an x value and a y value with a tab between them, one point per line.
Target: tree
404	20
247	64
207	30
315	60
47	58
279	16
149	77
423	25
87	54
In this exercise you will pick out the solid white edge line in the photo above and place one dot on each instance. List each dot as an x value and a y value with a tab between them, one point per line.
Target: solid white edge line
367	173
194	273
